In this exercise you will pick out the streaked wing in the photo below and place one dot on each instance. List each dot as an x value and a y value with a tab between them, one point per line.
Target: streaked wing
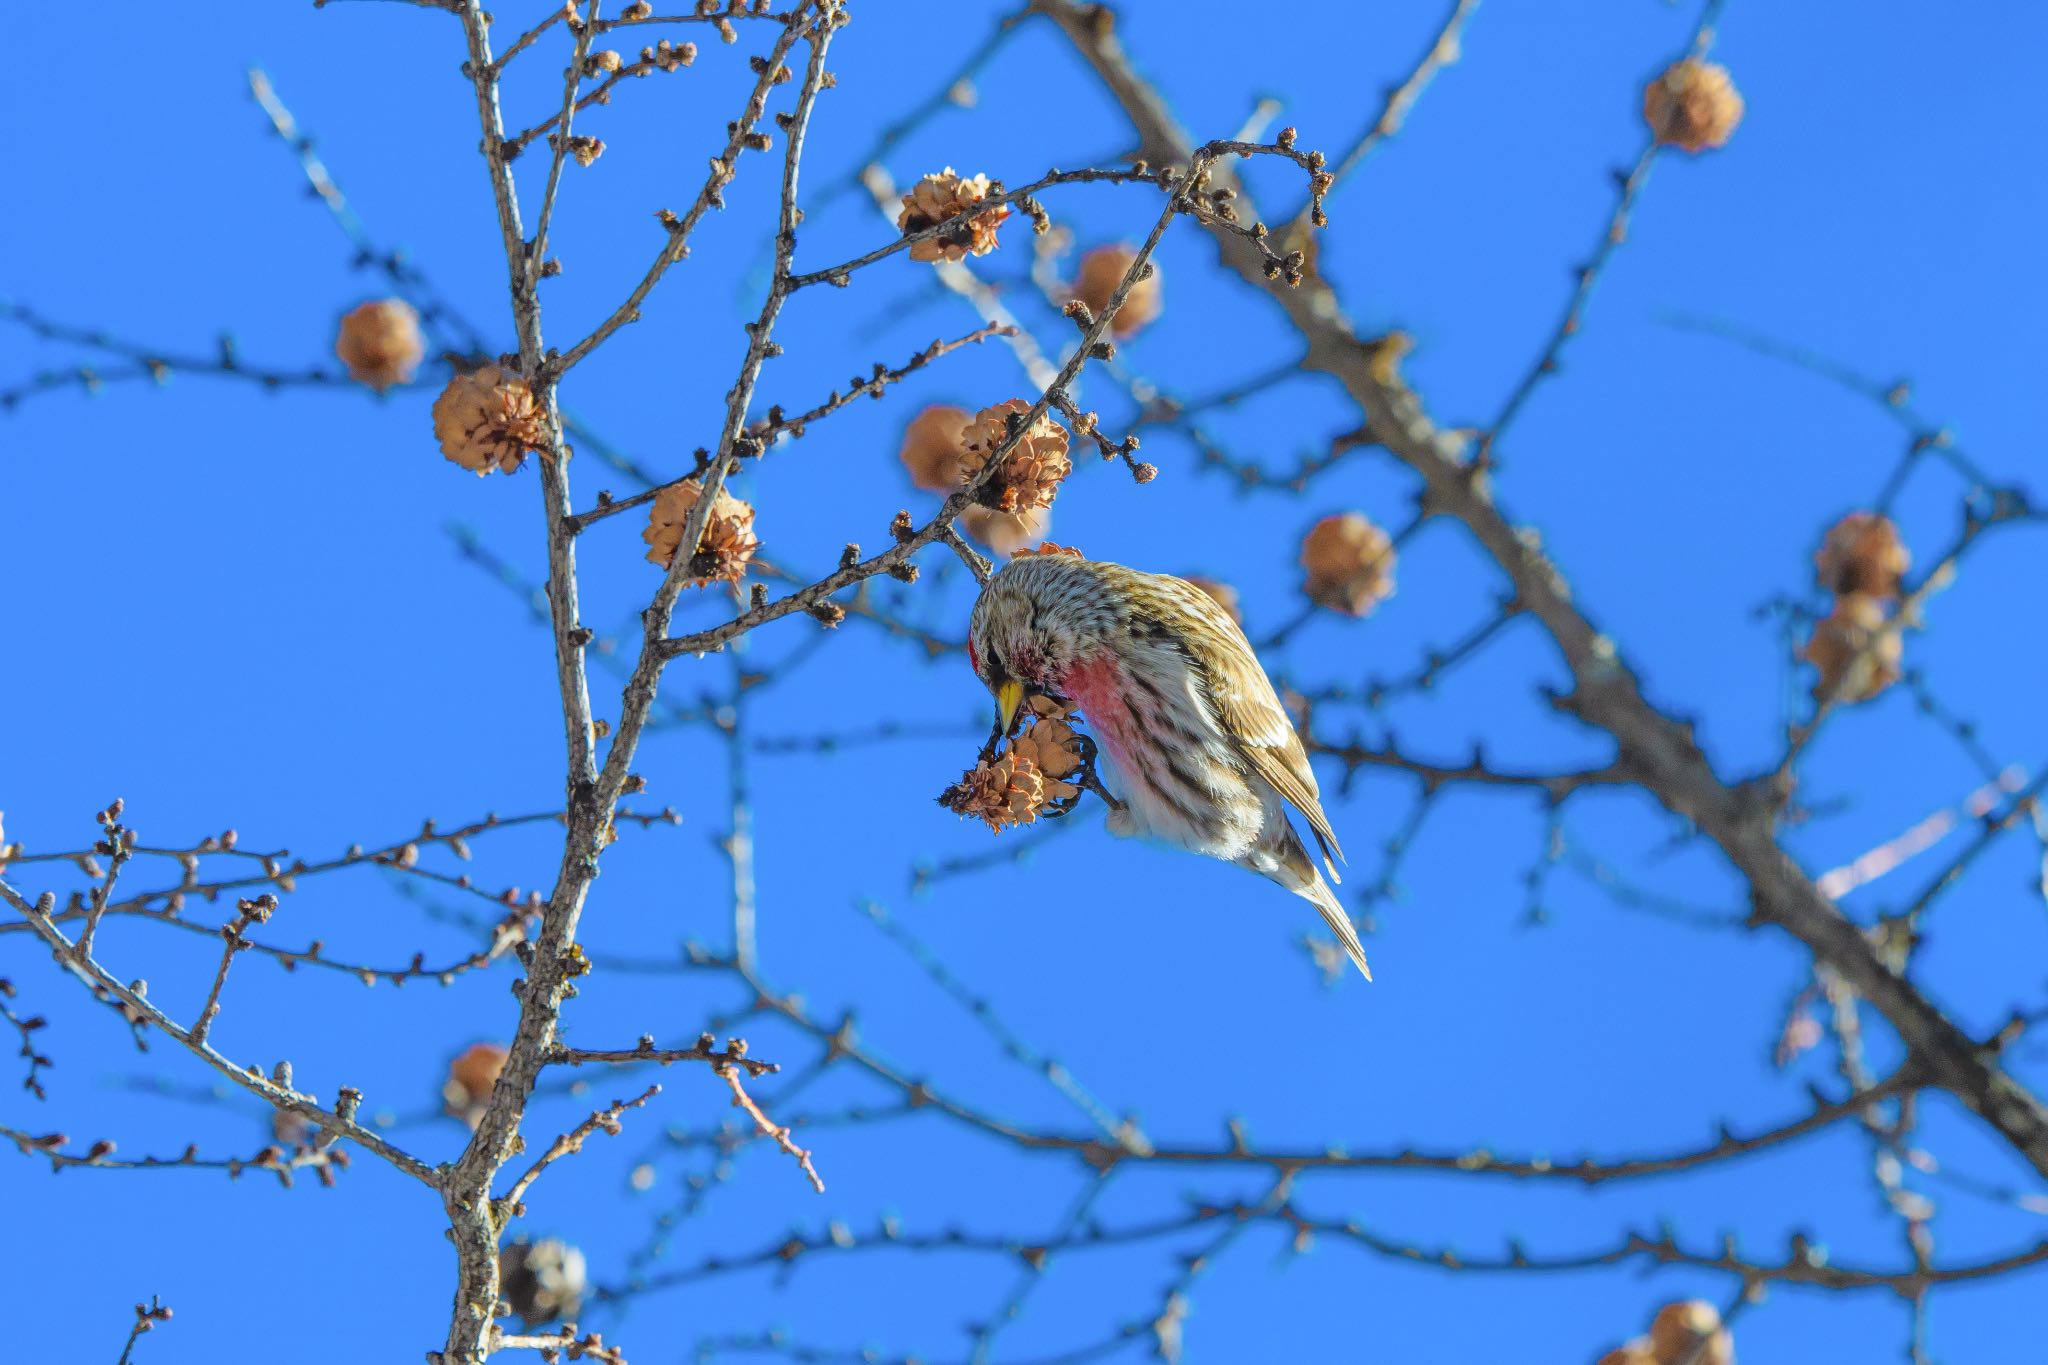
1243	700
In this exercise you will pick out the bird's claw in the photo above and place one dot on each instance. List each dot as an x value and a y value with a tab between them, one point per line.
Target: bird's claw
1084	778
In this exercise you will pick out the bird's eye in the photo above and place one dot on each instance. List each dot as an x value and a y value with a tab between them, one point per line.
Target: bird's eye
989	666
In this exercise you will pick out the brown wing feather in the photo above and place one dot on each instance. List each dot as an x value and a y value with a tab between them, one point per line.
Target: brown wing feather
1243	700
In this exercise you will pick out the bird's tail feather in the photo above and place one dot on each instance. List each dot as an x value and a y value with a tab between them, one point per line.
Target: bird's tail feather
1290	866
1318	893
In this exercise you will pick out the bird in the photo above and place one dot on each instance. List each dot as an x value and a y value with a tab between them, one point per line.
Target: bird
1197	747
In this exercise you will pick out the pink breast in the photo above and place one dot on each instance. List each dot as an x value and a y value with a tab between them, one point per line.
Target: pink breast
1096	685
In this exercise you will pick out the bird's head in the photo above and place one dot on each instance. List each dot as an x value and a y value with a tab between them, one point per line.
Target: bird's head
1036	617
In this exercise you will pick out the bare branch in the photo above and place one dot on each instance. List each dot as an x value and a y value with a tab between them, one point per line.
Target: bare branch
572	1141
1443	50
730	1074
712	196
277	1093
147	1316
777	422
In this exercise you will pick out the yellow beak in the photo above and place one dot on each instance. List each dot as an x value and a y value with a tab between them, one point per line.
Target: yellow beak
1009	696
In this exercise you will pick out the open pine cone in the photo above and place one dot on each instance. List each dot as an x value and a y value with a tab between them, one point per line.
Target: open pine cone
936	454
1029	476
943	195
1048	740
728	544
1018	785
488	419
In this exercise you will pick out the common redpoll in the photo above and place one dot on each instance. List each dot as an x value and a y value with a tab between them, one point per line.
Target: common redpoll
1199	752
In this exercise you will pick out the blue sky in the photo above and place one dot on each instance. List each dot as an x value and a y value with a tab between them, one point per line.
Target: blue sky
239	608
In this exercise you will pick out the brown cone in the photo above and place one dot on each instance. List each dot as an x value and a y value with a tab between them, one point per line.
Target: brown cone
931	448
943	195
728	544
1690	1333
380	343
1348	563
1693	106
470	1079
1635	1353
1862	553
1838	649
1015	787
1095	282
487	419
1049	741
1030	474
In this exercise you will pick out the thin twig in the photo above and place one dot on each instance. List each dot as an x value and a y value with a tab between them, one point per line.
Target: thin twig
279	1095
730	1074
572	1141
1443	50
